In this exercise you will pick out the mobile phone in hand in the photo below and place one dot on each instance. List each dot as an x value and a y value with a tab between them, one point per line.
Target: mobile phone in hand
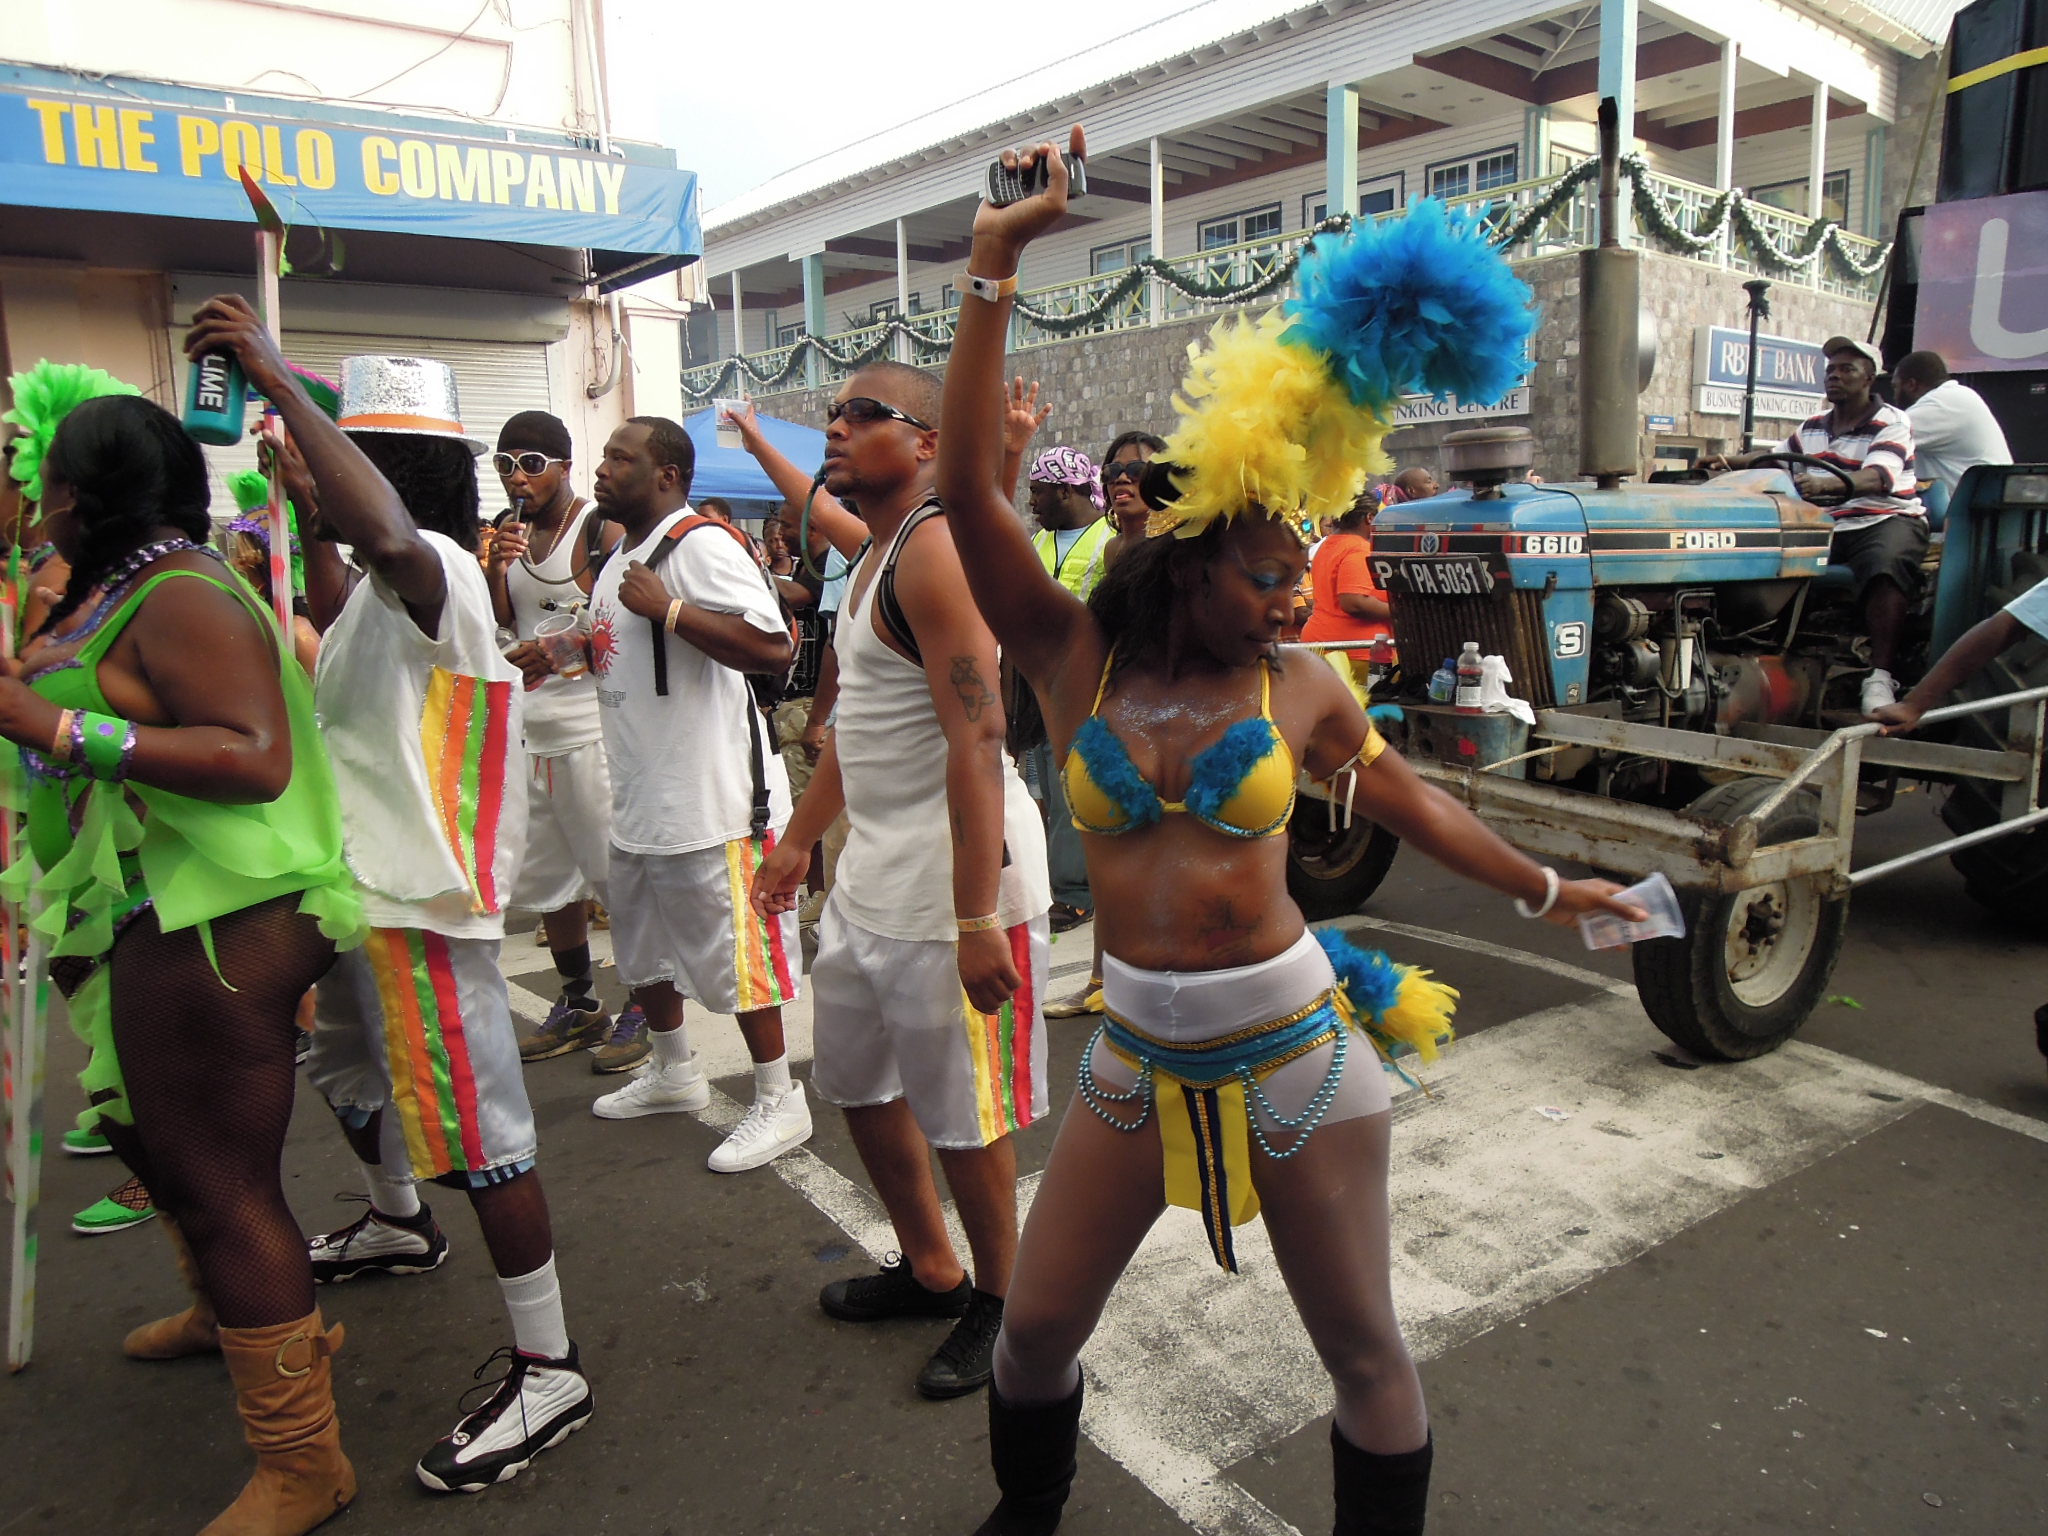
1010	184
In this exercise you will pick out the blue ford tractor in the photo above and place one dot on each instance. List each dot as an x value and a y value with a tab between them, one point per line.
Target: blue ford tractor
1693	667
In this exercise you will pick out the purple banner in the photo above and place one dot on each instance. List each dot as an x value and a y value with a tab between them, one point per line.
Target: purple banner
1984	283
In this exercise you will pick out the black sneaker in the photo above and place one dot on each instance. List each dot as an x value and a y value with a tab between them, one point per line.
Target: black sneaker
568	1027
535	1405
893	1293
967	1360
378	1244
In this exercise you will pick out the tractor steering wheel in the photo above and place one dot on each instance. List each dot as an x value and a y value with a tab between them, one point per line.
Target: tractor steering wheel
1787	462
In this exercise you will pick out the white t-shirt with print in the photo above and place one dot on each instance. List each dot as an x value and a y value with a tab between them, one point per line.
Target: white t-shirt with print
424	733
682	770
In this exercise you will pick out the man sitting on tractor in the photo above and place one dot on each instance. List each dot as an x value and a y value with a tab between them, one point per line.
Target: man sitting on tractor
1881	528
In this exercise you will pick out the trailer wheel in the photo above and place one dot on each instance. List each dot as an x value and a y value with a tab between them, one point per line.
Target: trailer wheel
1752	964
1333	874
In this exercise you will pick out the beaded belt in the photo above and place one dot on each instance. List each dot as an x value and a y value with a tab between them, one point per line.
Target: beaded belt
1207	1126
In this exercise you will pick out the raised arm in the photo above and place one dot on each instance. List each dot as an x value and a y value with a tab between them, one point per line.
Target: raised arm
356	502
846	532
960	670
1037	620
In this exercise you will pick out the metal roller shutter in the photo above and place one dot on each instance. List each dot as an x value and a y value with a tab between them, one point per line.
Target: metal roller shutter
494	379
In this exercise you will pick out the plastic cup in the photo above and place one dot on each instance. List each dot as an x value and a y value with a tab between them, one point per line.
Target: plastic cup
561	637
728	436
1603	930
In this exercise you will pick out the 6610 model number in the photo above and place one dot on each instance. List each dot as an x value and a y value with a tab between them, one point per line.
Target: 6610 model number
1547	544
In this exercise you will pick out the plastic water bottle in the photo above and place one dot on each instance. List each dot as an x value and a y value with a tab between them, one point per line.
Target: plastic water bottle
1471	671
1443	683
216	400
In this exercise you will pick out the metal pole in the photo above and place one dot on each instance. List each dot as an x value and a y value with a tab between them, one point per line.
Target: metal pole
269	261
1759	290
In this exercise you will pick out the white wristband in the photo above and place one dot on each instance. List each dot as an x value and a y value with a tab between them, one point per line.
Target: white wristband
1550	889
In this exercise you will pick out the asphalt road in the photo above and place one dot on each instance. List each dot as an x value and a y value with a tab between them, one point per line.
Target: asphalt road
1802	1294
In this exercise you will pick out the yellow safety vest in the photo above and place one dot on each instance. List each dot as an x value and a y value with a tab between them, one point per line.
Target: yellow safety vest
1082	567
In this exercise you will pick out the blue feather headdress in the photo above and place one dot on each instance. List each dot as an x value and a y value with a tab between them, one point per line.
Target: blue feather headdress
1284	414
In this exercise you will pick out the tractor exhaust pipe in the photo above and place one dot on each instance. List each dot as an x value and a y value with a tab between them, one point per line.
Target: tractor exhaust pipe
1610	301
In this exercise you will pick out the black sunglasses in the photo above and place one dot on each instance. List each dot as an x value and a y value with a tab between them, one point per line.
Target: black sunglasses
525	463
1123	469
861	410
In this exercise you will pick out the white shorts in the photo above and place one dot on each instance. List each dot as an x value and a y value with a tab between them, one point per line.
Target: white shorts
1186	1007
889	1020
568	830
685	918
420	1024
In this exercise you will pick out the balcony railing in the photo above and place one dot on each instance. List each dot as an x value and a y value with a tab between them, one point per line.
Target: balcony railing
1702	227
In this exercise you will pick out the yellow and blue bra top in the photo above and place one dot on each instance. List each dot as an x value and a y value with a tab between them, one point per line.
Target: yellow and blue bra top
1241	784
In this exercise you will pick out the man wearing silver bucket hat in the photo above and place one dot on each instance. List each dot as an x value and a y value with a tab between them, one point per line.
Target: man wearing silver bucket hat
421	716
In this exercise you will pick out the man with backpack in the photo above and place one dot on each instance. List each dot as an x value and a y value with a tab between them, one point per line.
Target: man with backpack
680	615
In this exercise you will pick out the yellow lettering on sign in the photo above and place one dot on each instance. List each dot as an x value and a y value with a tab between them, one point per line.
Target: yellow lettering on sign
98	133
378	177
613	174
198	137
465	174
508	170
416	167
540	183
313	156
53	114
135	139
579	185
241	145
273	157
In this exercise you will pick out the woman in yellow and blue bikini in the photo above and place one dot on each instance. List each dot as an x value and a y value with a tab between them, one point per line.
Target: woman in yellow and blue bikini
1231	1073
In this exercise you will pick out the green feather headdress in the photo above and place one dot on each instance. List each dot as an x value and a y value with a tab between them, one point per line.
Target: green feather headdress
43	397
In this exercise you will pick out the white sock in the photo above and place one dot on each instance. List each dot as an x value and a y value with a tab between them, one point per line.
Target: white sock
389	1196
535	1302
671	1046
771	1076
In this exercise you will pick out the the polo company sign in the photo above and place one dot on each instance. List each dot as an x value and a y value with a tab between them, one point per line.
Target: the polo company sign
1790	374
129	156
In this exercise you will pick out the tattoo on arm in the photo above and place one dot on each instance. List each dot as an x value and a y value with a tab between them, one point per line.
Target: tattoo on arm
975	695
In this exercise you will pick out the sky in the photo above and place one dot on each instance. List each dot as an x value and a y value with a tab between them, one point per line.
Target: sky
746	89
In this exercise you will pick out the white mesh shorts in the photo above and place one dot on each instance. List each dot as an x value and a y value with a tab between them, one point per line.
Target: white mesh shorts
568	830
889	1020
687	919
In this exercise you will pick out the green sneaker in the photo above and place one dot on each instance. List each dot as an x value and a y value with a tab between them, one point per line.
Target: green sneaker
128	1206
85	1143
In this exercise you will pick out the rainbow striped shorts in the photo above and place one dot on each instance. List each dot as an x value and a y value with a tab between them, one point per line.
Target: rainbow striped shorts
687	919
418	1024
889	1021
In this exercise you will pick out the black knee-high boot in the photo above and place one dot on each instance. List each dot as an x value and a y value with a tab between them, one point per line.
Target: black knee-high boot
1380	1495
1032	1451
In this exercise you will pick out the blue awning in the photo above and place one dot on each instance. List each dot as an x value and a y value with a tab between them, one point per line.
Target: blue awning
66	142
732	472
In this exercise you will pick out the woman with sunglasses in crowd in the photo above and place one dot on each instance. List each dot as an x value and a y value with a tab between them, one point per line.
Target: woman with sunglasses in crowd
1179	728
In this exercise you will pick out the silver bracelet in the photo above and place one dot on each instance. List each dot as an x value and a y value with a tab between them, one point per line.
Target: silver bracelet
1551	886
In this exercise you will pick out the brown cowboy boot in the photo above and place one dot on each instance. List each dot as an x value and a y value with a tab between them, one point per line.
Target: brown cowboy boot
190	1332
284	1386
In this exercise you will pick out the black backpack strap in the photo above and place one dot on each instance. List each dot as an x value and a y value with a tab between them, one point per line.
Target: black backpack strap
594	552
655	556
886	602
758	821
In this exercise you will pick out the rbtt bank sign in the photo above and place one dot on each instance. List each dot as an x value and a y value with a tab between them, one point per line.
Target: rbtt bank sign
129	155
1790	375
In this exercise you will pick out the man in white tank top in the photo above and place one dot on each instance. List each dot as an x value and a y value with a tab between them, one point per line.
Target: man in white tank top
933	945
542	563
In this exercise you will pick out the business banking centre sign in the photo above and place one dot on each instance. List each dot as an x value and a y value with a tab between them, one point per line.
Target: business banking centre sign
1791	376
60	150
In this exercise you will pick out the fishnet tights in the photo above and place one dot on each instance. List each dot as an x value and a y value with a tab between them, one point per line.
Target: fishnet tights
210	1077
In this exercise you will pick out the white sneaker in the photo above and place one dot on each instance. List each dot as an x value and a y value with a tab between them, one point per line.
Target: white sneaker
1879	690
658	1090
777	1122
535	1405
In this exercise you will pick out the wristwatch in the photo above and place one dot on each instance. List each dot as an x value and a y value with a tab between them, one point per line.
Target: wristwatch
989	288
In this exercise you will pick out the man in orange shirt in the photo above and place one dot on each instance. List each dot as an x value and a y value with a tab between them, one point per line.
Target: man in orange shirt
1348	606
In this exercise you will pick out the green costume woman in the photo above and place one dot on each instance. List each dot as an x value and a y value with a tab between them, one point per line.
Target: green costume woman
189	884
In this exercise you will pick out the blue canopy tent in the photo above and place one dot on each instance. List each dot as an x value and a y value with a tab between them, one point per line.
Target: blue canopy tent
732	472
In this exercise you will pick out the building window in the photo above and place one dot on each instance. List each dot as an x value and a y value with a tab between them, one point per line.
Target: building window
948	298
880	310
1239	228
1376	195
1452	179
788	335
917	303
1791	196
1115	258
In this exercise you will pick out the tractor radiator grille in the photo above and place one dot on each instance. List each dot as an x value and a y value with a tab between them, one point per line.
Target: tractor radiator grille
1506	622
